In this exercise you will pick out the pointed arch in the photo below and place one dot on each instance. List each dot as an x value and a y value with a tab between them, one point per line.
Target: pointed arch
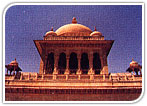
84	63
96	63
50	63
73	63
62	63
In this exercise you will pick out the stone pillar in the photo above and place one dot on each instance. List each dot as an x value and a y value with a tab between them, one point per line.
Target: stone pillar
79	77
104	77
140	71
28	76
125	77
42	76
41	66
133	71
91	72
79	72
36	76
133	77
110	77
14	71
66	76
10	72
21	76
7	72
56	59
90	57
44	66
104	64
55	72
67	65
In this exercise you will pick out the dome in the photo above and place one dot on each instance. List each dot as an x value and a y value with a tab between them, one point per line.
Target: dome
133	64
51	33
73	29
96	33
14	62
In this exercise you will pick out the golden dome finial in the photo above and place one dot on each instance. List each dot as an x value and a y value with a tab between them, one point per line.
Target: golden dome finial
95	28
15	59
132	59
52	29
74	21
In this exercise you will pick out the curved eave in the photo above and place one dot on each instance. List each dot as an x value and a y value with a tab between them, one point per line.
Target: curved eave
41	44
10	67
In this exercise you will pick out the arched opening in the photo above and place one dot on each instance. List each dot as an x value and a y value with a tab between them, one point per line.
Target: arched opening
50	63
62	63
73	63
84	63
96	63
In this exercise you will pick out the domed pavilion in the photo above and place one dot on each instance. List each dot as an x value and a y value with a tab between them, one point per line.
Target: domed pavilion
13	66
73	49
134	67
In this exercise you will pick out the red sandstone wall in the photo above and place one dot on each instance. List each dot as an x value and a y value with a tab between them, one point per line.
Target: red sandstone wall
72	95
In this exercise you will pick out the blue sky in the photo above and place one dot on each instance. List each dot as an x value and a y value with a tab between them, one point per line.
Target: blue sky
25	23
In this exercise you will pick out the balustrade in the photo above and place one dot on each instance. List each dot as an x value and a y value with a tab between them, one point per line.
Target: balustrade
74	38
77	77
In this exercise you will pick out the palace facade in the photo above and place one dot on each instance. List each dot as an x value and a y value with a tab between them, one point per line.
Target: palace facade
73	49
73	67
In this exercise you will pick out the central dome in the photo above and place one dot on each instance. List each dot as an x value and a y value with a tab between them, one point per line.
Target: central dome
73	29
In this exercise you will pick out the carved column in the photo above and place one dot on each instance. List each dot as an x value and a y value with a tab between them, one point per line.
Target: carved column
14	71
125	77
79	72
104	64
104	77
90	56
79	62
28	76
10	72
56	59
7	72
140	71
44	59
42	77
133	71
44	67
110	77
67	64
91	72
133	77
36	76
21	76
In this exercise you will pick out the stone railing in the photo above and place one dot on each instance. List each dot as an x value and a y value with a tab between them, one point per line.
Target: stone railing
111	77
74	38
9	77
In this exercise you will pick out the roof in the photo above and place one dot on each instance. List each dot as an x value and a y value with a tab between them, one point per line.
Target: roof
14	62
73	29
51	33
10	67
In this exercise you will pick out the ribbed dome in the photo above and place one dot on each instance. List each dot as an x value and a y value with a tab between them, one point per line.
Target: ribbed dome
14	62
133	64
96	33
73	29
51	33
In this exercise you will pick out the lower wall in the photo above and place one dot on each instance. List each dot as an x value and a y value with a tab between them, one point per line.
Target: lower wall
28	94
